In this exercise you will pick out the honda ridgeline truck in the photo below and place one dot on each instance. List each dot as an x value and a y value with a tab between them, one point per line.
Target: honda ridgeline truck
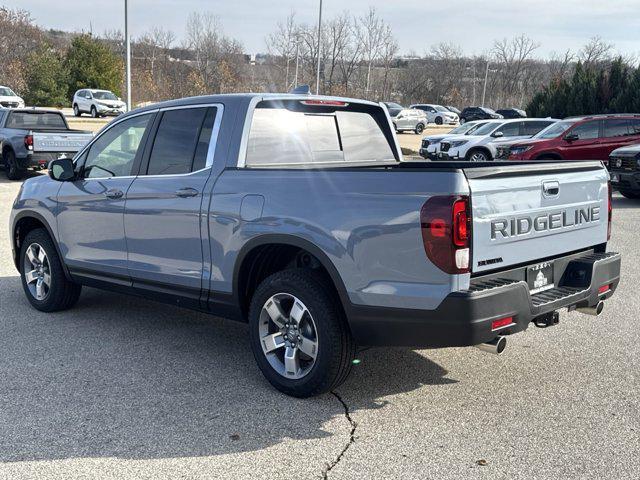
30	138
298	215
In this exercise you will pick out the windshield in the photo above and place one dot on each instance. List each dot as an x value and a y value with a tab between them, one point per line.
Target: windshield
554	130
393	105
36	120
7	92
104	96
465	128
440	108
487	128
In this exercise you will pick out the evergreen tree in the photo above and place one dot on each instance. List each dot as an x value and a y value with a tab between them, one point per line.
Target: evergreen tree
91	64
45	79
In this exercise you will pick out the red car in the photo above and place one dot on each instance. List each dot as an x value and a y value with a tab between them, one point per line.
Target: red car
581	138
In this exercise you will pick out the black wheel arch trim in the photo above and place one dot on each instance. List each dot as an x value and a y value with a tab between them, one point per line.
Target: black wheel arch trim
41	219
294	241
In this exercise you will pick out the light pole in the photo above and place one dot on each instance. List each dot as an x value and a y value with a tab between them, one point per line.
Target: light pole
319	36
128	50
484	89
297	60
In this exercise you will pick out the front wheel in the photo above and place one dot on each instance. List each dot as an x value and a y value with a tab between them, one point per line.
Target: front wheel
94	112
76	110
419	128
299	336
630	195
477	156
438	120
43	279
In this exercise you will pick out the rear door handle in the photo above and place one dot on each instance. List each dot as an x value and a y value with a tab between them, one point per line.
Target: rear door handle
186	192
551	189
113	194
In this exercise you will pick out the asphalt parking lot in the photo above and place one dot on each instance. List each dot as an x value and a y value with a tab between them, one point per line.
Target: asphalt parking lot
124	388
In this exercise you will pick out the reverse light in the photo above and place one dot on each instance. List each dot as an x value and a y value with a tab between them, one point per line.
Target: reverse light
446	232
28	142
501	322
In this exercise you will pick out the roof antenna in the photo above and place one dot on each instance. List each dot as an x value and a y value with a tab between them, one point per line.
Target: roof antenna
301	90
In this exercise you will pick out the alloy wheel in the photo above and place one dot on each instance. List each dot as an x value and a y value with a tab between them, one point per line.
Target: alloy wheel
37	271
288	336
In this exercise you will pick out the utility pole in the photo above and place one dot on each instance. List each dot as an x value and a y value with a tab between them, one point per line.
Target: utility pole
484	89
297	60
319	38
474	81
128	50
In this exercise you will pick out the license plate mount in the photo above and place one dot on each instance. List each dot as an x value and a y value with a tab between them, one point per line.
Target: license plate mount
540	277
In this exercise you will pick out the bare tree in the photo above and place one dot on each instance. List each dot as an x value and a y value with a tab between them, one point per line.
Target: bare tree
596	51
513	57
370	30
283	43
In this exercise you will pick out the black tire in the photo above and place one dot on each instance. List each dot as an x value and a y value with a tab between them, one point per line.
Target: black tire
336	348
63	293
439	121
419	128
11	167
477	155
94	112
630	195
76	110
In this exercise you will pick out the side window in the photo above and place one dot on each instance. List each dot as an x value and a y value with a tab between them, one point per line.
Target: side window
531	128
616	127
114	152
588	130
634	126
510	129
178	141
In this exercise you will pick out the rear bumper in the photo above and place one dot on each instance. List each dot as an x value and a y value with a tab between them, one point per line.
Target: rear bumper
464	318
40	160
625	180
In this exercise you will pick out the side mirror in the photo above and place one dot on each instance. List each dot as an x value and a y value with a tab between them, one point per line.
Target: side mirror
497	134
572	137
62	169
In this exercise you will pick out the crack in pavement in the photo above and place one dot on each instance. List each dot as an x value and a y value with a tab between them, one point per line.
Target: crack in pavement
352	437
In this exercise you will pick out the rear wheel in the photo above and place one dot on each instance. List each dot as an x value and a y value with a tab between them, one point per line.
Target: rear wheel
76	110
11	167
94	112
438	120
43	279
299	336
629	194
419	128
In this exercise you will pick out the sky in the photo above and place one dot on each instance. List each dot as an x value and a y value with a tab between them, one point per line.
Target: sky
557	25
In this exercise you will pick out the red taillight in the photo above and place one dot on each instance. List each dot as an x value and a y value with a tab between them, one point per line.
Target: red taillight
328	103
610	211
28	142
604	289
501	322
446	228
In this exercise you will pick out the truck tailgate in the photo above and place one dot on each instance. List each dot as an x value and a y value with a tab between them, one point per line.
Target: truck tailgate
532	212
59	142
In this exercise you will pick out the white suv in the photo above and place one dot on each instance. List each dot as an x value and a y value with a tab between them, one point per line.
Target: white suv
410	120
9	99
437	113
480	146
97	103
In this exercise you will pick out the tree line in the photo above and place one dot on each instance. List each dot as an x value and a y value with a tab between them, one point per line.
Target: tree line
359	56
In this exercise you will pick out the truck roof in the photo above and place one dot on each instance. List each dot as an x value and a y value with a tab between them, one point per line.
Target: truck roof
241	98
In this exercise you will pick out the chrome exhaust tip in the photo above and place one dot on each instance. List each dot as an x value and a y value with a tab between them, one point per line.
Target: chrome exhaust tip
594	310
495	346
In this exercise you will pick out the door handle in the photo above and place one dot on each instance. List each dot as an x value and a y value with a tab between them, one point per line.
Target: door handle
113	194
186	192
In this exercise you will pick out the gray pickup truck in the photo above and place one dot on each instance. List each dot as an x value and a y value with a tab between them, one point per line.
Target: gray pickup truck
30	138
298	215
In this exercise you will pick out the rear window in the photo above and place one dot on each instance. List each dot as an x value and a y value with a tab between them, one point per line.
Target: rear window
618	127
291	133
42	120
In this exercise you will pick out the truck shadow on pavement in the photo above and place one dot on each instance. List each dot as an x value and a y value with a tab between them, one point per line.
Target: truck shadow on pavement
123	377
